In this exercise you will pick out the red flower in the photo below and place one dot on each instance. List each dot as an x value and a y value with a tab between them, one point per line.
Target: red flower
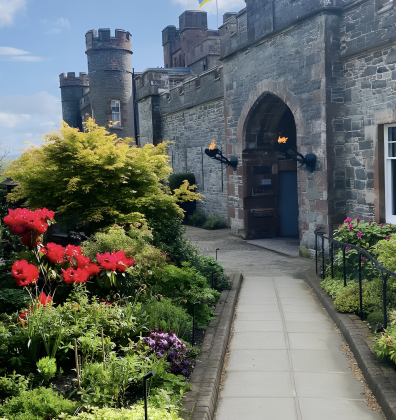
22	318
82	261
72	251
116	261
24	273
30	239
92	269
44	299
55	253
22	221
77	275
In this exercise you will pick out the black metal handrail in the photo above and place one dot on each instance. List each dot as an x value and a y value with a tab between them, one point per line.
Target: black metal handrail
385	273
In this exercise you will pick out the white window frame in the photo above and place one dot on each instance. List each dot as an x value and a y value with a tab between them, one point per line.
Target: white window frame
116	120
389	187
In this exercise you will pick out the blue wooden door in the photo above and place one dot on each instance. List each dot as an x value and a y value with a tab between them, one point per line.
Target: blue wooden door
288	203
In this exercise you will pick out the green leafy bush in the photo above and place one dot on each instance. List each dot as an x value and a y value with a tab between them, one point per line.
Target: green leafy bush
12	300
185	286
215	221
386	253
37	404
375	318
135	413
198	218
334	286
176	180
46	368
165	316
206	265
12	385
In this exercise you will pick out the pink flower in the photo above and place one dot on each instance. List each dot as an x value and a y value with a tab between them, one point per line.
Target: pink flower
358	219
359	235
381	224
348	220
370	221
387	238
348	248
364	259
350	227
339	227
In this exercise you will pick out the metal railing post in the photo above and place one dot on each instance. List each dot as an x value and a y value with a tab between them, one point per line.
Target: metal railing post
323	258
360	286
384	281
343	259
316	252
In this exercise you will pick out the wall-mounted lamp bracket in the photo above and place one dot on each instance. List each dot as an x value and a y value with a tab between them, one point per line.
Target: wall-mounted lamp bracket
218	155
308	160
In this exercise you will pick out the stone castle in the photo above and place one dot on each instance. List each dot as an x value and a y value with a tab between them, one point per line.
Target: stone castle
319	73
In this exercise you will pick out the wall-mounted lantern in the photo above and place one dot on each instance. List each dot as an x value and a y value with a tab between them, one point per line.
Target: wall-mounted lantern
214	153
308	160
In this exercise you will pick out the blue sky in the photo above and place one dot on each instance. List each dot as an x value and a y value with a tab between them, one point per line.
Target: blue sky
39	39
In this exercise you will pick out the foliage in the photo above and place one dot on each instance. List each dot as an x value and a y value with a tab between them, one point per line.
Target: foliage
12	385
135	413
198	218
206	265
185	286
165	316
386	253
95	177
176	180
335	286
348	301
37	404
363	235
214	221
10	244
12	300
375	318
186	192
46	368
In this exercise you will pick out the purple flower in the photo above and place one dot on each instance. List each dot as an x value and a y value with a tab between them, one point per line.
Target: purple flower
381	224
370	221
387	238
350	227
339	227
348	220
359	235
364	259
358	219
348	248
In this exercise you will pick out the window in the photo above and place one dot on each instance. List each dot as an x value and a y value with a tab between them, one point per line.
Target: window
390	173
383	5
205	64
116	113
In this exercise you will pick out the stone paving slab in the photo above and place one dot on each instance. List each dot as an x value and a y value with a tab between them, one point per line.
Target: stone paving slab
286	246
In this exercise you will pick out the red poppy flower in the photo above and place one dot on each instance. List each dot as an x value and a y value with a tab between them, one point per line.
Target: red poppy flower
22	318
72	275
24	273
44	299
55	253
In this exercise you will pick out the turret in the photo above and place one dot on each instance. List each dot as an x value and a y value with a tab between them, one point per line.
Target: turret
110	79
72	90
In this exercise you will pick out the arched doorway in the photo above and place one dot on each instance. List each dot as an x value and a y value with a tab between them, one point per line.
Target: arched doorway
270	177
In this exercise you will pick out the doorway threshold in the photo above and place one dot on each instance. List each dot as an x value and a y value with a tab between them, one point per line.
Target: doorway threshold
288	245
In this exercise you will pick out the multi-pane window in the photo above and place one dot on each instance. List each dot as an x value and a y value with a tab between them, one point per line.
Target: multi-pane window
383	5
116	113
390	173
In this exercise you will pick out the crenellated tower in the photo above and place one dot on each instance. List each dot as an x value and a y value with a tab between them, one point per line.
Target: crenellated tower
110	79
72	90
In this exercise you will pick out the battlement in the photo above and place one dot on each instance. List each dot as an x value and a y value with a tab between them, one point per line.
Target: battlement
71	80
102	39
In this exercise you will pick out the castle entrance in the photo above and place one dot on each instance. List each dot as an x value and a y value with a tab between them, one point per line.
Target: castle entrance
270	173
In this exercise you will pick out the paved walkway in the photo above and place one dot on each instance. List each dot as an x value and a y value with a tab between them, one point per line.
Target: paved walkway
285	362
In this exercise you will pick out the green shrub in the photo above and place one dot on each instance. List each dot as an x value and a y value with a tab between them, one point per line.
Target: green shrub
136	413
185	286
198	218
334	286
176	180
348	301
215	221
375	318
386	253
12	300
46	368
12	386
167	317
206	265
37	404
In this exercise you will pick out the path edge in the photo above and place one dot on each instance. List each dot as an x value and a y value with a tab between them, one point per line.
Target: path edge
383	387
200	402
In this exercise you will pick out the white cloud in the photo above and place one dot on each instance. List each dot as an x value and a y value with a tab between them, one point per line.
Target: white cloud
60	25
27	117
9	9
224	6
13	54
12	51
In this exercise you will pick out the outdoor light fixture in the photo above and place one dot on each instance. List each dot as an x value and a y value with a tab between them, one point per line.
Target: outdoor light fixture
217	154
145	378
308	160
